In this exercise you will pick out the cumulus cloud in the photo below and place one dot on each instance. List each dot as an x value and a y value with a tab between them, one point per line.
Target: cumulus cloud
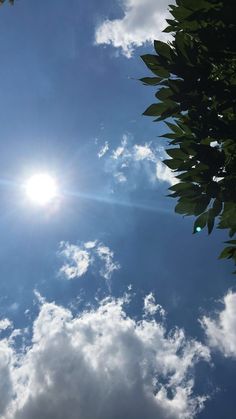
221	330
79	258
127	158
143	21
150	307
6	386
101	364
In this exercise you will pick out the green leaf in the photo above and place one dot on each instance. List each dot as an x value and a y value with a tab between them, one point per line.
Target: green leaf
153	64
181	42
228	218
170	136
217	207
210	221
151	81
163	49
181	13
175	128
231	242
201	204
155	109
160	109
172	163
200	222
232	232
181	186
185	207
176	153
176	85
171	110
168	29
164	94
227	253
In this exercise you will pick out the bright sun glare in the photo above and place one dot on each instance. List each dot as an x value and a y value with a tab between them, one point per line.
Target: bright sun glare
41	188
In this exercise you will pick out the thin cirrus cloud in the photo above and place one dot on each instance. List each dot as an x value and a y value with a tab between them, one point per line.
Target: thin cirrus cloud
221	329
143	21
78	259
128	159
100	364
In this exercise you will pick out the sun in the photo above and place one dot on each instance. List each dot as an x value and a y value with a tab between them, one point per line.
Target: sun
41	189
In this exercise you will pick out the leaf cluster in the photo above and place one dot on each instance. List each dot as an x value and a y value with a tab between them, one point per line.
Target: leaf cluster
195	75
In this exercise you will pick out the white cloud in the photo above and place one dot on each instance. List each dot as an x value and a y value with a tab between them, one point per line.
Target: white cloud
6	387
164	174
141	152
90	245
79	258
151	308
5	324
103	150
127	158
107	256
143	21
101	364
120	177
121	151
221	330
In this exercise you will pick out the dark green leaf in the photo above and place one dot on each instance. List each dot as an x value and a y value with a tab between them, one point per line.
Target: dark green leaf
175	128
210	221
155	109
201	204
231	242
151	81
172	163
163	49
200	222
154	65
217	207
185	207
176	153
164	94
227	253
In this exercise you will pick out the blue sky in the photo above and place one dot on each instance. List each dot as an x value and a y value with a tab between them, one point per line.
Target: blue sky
105	294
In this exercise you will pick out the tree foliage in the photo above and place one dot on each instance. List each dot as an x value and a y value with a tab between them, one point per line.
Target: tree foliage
9	1
196	79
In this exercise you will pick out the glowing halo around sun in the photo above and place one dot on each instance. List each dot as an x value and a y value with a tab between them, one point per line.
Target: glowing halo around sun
41	189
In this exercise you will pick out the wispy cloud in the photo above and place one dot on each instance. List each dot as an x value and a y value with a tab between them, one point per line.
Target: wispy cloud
143	21
76	366
103	150
79	258
106	255
127	158
221	329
